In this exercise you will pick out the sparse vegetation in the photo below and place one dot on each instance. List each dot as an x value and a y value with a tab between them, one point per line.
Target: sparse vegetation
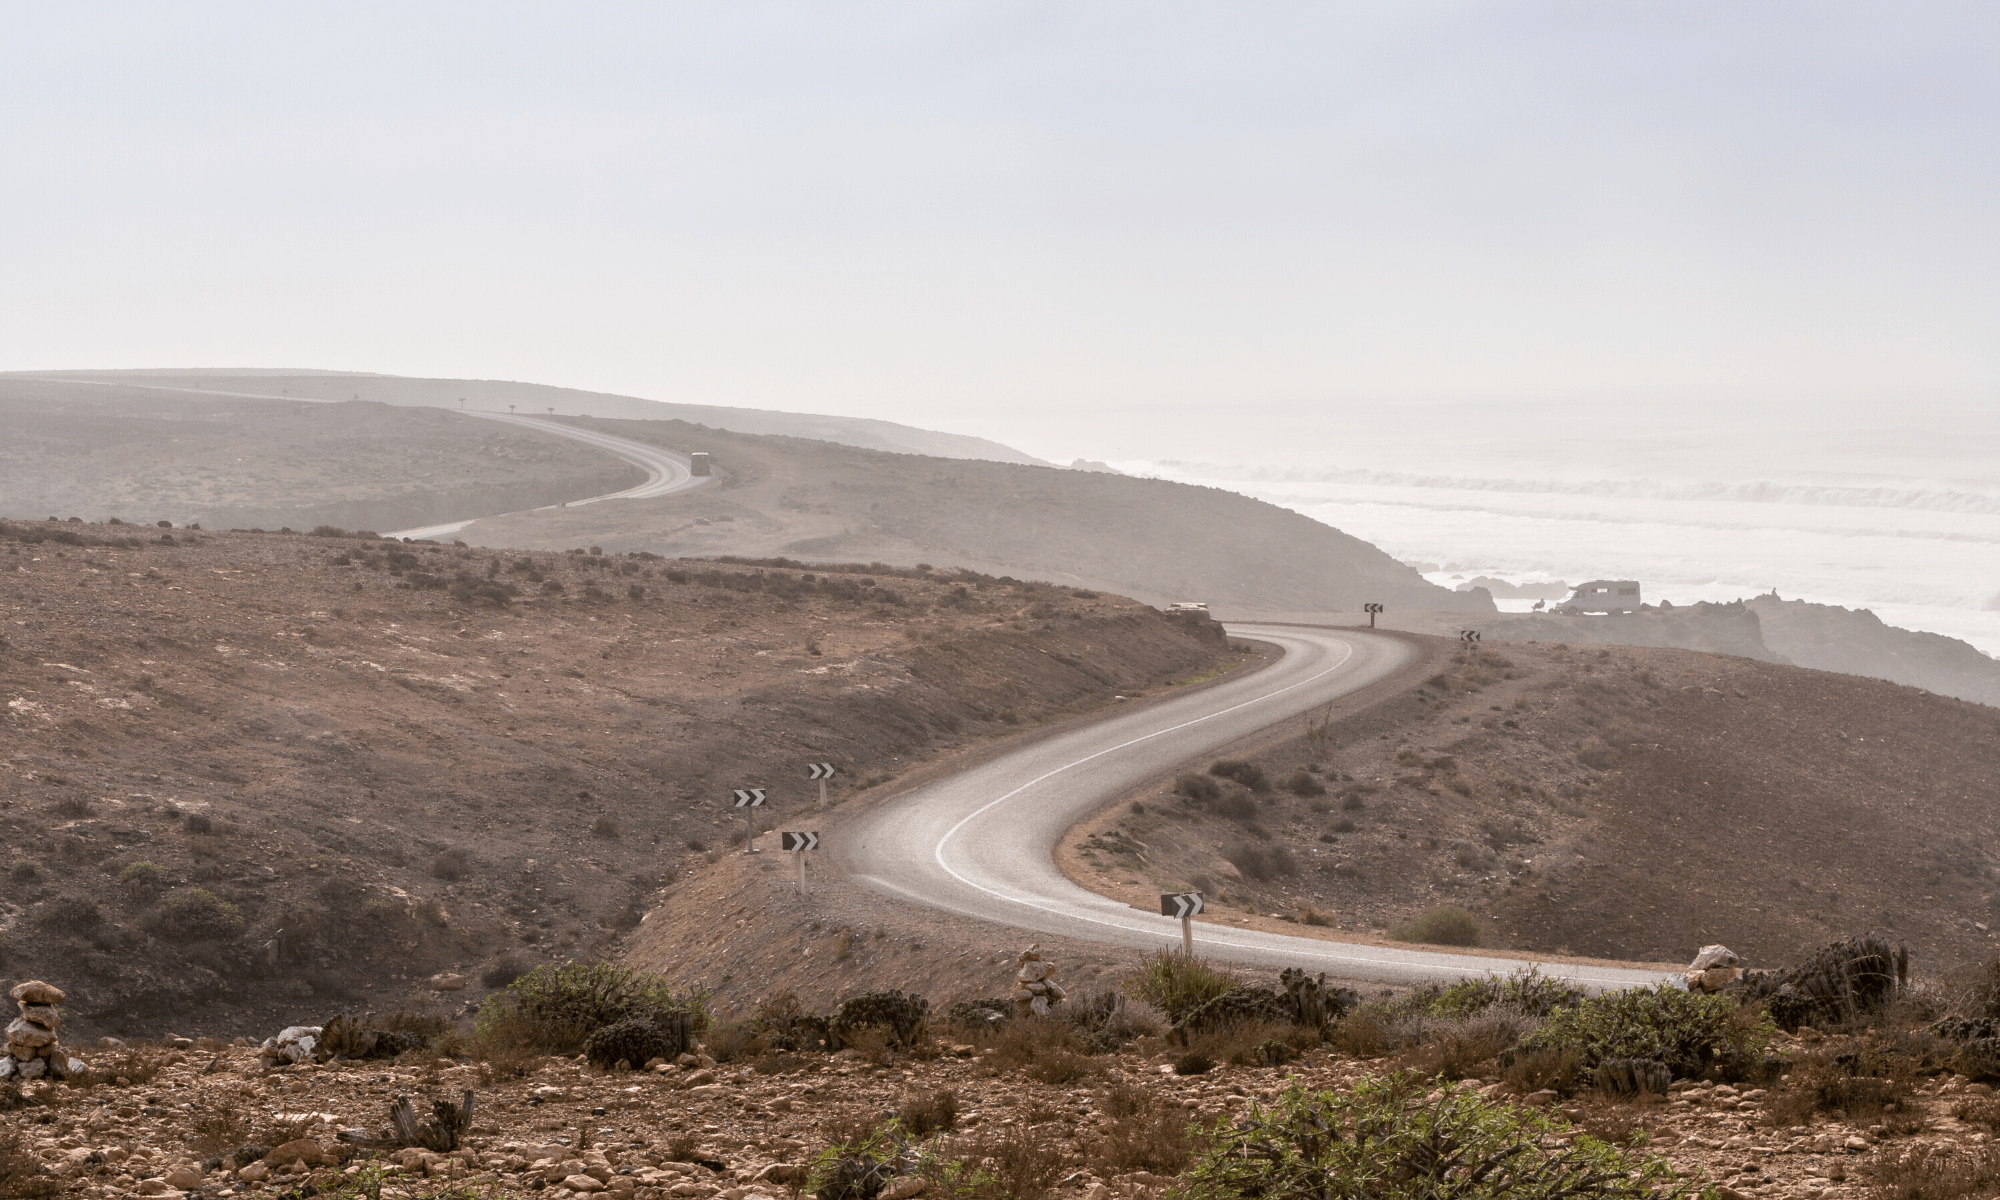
197	914
554	1008
1176	984
1400	1142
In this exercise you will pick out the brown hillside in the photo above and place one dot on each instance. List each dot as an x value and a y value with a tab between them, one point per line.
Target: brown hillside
77	449
1149	538
1629	803
389	775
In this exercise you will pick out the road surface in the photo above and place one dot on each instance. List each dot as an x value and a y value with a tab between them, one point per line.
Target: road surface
981	842
666	472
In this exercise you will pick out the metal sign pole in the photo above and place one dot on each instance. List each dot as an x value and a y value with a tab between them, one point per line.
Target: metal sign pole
822	792
1187	935
801	856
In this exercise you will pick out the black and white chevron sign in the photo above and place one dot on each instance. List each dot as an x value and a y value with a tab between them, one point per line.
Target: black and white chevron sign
799	841
821	771
754	798
1180	904
1371	608
1468	635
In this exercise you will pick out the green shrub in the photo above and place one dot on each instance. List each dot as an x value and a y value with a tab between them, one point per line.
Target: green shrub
1387	1140
1445	925
142	875
196	914
557	1007
1689	1032
1176	983
1527	991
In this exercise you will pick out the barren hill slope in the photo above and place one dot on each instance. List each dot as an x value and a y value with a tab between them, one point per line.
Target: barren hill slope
260	774
1149	538
74	449
1614	803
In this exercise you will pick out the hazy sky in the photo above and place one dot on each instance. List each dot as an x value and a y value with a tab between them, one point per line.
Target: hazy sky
1036	221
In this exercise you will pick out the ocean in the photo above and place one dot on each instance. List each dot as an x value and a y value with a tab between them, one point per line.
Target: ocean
1900	516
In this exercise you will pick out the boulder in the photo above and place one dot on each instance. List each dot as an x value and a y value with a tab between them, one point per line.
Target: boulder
1715	956
303	1150
183	1178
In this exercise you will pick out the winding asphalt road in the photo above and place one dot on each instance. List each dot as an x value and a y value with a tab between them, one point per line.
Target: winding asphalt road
980	843
666	472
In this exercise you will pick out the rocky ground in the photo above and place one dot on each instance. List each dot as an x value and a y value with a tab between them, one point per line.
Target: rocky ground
246	774
180	1121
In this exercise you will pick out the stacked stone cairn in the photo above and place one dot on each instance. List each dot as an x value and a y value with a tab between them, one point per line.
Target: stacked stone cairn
1035	990
33	1051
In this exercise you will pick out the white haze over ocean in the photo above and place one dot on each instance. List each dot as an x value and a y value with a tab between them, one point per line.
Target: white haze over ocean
1899	514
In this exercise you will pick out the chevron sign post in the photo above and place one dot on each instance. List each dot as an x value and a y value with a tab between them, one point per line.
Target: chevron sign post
1468	635
1371	609
1183	905
798	844
750	801
821	771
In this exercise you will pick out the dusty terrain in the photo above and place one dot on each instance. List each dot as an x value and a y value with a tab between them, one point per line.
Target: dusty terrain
74	449
1618	804
1148	538
373	765
739	1130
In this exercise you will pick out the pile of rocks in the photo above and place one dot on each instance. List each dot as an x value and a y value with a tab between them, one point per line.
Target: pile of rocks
1035	989
33	1050
1715	968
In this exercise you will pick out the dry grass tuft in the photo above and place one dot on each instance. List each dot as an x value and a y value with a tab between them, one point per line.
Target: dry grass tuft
925	1113
1142	1136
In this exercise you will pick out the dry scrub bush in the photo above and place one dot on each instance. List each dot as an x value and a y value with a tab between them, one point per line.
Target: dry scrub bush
1047	1051
1456	1050
1936	1173
1176	983
1017	1163
134	1065
219	1126
21	1174
1142	1136
928	1112
1261	862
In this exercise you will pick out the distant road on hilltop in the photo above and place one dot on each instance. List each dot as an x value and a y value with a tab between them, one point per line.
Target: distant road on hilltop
497	395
